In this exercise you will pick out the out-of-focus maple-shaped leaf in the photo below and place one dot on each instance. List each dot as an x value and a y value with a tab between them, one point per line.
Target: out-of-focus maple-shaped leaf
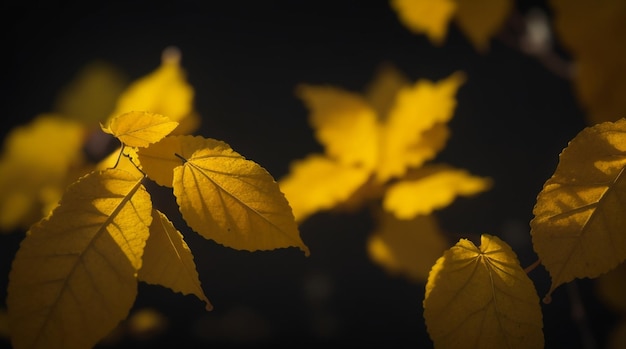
578	225
364	147
165	91
480	297
479	20
91	95
36	159
140	128
222	195
320	183
74	276
407	247
429	188
594	33
168	261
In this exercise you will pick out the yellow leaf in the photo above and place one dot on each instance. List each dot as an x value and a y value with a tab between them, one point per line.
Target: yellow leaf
231	200
593	32
382	90
480	20
36	159
578	225
165	91
407	247
430	17
482	298
74	276
418	109
91	95
318	183
140	128
430	188
159	159
344	123
168	261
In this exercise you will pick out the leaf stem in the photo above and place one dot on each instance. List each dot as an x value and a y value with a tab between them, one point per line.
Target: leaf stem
119	156
180	157
531	267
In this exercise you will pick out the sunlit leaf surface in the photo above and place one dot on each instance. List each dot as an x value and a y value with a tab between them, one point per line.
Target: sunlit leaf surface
140	128
231	200
168	261
74	276
579	226
480	297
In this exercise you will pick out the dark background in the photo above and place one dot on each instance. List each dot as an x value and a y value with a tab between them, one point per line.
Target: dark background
244	59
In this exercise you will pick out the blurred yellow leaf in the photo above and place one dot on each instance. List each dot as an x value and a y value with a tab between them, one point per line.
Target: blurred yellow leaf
407	247
415	129
168	261
74	276
361	144
479	20
344	123
617	337
594	33
578	225
91	95
318	183
140	128
429	188
482	298
430	17
222	195
165	91
35	161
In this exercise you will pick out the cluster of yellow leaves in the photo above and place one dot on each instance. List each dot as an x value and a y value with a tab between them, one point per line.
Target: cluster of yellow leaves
594	33
482	298
75	275
479	20
376	148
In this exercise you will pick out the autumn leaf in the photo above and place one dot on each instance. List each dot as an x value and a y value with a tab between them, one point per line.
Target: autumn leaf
429	188
91	94
165	91
35	161
578	225
480	297
74	276
593	33
168	261
140	128
222	195
318	183
361	144
406	247
479	20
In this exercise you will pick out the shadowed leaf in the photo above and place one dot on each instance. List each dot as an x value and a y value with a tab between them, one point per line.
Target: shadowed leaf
167	260
74	276
482	298
578	229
